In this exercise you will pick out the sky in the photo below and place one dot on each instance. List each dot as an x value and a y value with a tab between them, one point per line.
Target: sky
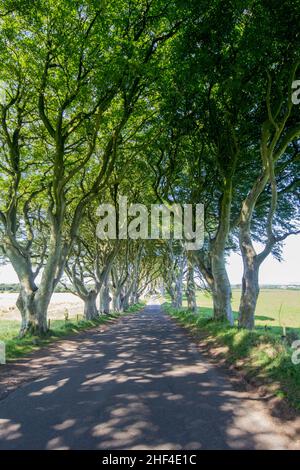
271	272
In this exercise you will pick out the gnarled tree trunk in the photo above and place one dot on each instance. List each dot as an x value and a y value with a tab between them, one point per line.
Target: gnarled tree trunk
190	286
25	305
251	261
125	301
90	307
179	283
116	301
33	315
105	299
52	272
249	296
221	291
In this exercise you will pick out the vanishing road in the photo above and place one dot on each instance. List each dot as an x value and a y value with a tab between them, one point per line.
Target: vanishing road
140	384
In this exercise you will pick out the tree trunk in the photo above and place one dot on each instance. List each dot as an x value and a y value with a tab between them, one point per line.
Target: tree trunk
135	298
190	287
50	277
178	294
129	294
41	308
251	261
178	284
116	301
25	304
125	302
249	296
171	292
33	312
90	307
27	300
105	299
250	284
221	290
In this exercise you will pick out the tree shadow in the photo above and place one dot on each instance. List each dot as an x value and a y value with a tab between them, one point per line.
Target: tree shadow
139	385
264	318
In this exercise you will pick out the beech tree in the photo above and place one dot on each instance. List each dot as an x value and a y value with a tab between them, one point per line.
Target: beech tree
278	64
88	266
191	285
225	106
164	102
72	77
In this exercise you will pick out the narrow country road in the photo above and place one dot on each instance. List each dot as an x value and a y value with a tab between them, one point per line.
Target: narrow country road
141	384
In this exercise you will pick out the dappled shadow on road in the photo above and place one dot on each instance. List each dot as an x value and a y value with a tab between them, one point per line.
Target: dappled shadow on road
141	384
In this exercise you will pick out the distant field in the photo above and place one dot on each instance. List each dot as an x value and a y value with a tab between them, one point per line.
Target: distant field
10	316
269	303
59	302
268	308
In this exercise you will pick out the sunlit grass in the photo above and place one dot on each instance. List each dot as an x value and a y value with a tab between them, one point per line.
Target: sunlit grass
261	353
276	308
18	347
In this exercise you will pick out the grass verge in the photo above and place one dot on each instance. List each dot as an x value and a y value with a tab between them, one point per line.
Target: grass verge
18	347
261	356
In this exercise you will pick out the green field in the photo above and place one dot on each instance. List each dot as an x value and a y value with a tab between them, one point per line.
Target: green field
262	354
276	307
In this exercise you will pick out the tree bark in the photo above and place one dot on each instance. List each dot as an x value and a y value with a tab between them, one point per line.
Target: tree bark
250	282
135	298
249	296
90	307
179	284
105	299
116	302
51	274
251	261
25	304
221	290
125	302
190	287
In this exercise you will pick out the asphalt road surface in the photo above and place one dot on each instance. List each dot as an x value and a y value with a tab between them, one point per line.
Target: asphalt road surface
141	384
